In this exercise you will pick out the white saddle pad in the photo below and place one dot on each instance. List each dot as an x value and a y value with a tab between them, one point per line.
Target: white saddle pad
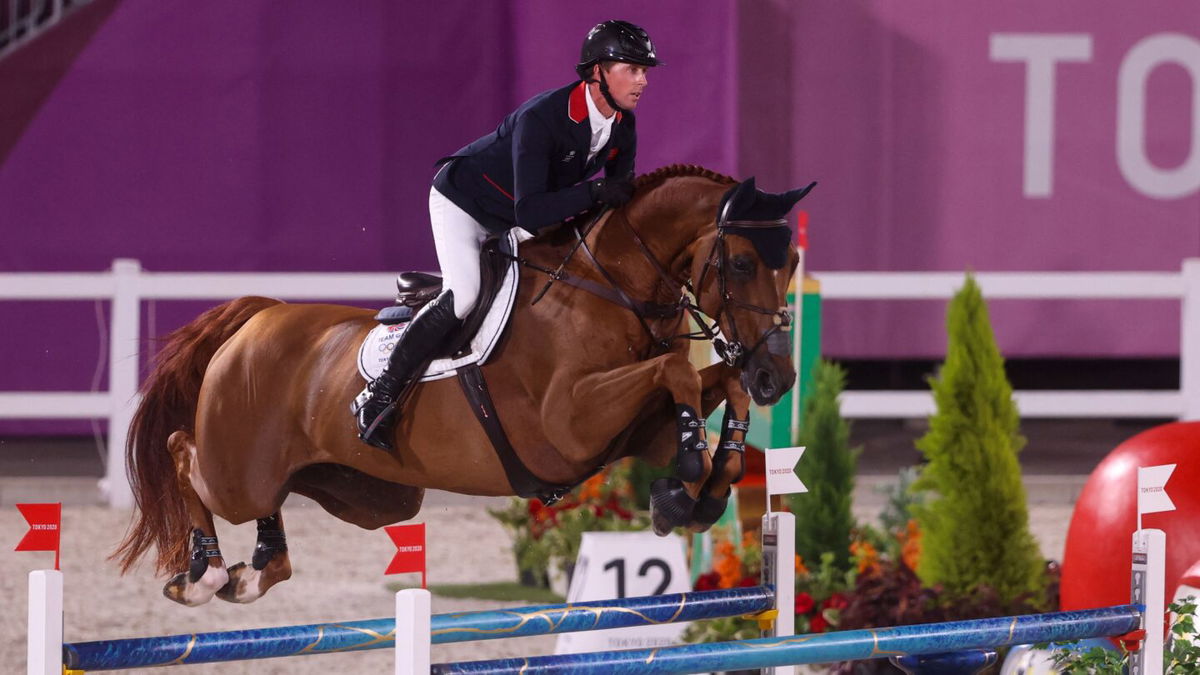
377	348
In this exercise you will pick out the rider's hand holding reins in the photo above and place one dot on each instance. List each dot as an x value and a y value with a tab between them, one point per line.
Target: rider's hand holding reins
612	192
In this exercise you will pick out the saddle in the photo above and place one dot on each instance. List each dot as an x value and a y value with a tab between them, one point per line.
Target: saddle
416	289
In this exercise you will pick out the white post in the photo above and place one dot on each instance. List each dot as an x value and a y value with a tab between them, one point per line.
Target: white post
124	356
1189	340
779	570
44	655
1148	588
798	322
413	631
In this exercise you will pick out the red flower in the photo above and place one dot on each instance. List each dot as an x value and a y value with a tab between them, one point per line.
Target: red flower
817	624
746	582
836	601
708	582
804	603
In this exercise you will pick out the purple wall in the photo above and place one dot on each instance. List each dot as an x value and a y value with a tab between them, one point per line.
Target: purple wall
918	135
230	135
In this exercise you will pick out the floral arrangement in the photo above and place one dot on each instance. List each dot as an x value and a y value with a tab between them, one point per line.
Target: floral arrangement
822	592
550	534
1181	653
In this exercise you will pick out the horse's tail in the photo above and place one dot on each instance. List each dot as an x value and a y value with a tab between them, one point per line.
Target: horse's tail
169	399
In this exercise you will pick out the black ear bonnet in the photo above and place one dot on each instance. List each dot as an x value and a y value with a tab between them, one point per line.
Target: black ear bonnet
751	213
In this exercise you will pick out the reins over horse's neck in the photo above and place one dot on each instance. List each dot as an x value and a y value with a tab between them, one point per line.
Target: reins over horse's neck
646	245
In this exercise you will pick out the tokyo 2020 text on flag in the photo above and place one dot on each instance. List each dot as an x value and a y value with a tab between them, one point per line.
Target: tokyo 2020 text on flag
410	549
1152	494
45	522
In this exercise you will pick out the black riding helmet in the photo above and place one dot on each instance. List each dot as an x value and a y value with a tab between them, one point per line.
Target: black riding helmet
615	41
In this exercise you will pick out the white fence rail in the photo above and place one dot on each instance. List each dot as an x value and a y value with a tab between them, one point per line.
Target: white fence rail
127	285
1183	286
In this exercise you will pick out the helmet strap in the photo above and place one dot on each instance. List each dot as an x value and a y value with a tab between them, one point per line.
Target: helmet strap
607	94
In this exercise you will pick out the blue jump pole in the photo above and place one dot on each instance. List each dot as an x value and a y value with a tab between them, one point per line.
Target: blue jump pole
263	643
934	638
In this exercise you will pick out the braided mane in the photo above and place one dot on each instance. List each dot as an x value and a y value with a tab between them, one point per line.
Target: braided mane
658	176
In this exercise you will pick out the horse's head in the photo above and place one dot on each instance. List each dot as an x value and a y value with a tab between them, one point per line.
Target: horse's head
741	270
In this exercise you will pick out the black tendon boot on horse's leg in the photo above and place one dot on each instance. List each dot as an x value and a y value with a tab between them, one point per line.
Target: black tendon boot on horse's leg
424	334
710	507
269	566
689	460
206	569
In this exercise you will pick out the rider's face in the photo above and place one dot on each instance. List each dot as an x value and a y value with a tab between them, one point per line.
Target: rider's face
626	82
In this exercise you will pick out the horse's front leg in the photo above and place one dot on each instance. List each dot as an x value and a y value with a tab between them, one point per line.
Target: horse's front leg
728	462
602	405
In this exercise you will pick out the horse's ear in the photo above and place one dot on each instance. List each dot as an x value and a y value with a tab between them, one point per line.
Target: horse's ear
784	201
792	196
739	198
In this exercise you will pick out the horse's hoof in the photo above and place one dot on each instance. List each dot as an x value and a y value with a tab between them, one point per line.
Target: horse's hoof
709	510
242	579
181	590
670	505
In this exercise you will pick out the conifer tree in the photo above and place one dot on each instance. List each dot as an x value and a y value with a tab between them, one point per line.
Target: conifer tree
975	529
823	518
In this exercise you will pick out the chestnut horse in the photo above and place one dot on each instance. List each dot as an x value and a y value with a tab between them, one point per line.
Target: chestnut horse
249	402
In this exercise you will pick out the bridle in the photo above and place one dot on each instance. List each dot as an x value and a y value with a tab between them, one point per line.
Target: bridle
732	351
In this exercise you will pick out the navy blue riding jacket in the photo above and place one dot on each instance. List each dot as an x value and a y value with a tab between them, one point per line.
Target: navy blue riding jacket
528	171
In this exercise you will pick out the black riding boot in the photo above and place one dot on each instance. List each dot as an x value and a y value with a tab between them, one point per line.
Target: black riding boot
425	333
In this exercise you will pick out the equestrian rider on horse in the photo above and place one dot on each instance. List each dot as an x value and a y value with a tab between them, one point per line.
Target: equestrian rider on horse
528	173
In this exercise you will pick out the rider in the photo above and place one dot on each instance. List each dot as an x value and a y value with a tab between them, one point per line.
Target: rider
528	173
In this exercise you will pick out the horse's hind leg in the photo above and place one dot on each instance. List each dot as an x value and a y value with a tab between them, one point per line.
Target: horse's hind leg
269	565
206	572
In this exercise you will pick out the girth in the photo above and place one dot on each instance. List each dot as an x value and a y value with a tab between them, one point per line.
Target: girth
522	480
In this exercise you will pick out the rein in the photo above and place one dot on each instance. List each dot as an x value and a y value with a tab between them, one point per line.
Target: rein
734	352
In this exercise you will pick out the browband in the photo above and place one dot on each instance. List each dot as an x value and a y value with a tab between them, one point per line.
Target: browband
780	222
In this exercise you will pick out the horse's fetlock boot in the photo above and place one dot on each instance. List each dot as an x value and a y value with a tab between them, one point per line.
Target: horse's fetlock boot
198	564
727	447
689	466
693	443
670	505
271	541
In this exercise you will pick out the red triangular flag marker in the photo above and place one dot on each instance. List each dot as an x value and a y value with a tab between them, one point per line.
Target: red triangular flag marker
410	549
802	229
45	522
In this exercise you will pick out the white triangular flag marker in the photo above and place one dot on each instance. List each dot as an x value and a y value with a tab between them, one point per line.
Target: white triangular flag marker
1152	494
781	472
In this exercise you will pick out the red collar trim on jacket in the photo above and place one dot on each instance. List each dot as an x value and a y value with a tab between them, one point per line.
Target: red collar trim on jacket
577	105
577	108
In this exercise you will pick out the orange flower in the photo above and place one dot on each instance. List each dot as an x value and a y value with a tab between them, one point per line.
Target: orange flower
867	557
801	569
749	540
910	545
727	564
591	488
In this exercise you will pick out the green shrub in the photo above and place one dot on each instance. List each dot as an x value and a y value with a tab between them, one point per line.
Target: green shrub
824	521
975	530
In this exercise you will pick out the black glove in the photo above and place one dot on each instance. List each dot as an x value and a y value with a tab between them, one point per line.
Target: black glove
613	192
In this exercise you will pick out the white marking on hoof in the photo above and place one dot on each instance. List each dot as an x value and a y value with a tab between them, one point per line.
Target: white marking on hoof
248	584
206	587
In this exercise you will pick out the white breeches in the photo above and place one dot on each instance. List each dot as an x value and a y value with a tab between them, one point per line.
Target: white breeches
458	239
